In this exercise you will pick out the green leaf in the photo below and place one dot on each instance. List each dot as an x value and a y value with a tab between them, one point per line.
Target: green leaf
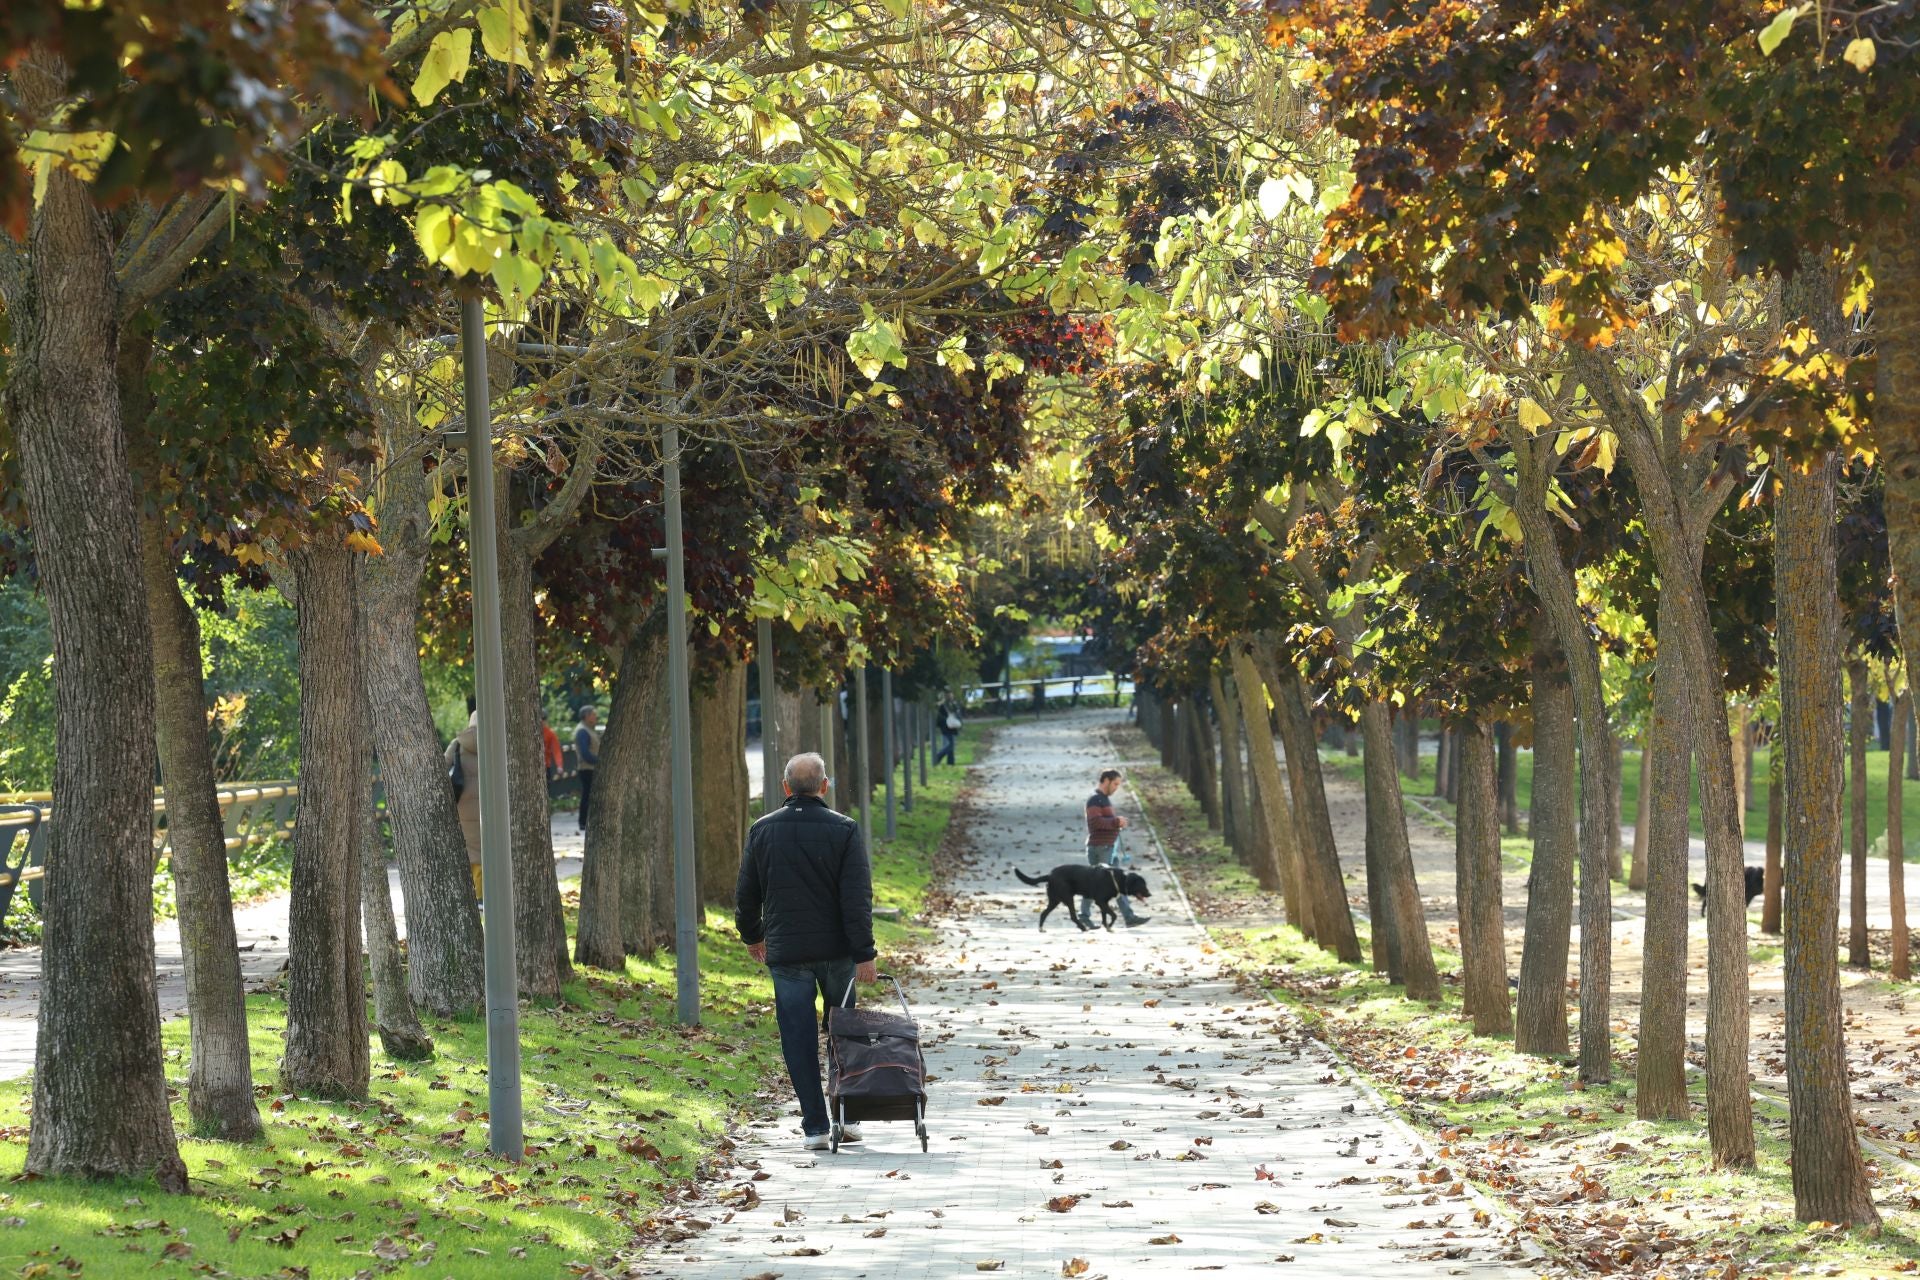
1776	31
433	231
505	30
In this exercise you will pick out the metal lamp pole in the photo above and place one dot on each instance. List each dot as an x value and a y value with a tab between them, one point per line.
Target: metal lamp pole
686	890
863	756
504	1127
886	740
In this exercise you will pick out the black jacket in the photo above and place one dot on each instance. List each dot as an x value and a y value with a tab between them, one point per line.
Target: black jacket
805	887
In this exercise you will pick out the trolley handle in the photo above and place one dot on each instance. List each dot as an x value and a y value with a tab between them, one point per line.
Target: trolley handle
846	1000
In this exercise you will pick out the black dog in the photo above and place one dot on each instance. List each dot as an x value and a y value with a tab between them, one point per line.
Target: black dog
1756	882
1103	884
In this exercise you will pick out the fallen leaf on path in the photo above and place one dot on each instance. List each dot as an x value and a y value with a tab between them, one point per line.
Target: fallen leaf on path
993	1100
1060	1204
995	1265
1266	1206
1169	1238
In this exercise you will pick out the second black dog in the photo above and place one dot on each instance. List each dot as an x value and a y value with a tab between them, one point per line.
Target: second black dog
1756	882
1072	880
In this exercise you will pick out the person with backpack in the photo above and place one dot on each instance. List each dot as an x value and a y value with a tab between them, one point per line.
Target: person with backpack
948	719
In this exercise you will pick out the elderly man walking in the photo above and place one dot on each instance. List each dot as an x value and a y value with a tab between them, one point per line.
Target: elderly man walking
804	907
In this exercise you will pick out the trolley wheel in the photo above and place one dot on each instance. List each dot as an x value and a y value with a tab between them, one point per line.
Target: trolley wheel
921	1129
834	1141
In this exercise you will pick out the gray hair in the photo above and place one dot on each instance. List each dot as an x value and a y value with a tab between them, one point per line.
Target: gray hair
806	773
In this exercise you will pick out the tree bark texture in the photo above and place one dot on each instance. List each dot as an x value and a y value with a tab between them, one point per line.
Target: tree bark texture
646	811
720	778
1860	716
1507	777
541	956
1383	947
1894	248
99	1087
1410	942
1442	762
1829	1177
1637	876
1233	769
1406	740
1661	1078
1541	1023
1276	865
1321	877
1482	936
445	972
598	937
401	1035
1899	967
220	1072
326	1053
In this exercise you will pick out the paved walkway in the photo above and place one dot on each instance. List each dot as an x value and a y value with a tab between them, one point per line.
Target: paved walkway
1113	1098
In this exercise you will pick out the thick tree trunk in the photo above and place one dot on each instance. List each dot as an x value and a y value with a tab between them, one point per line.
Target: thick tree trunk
720	778
1898	968
542	957
1829	1178
600	937
1660	1091
1406	740
1770	883
1442	762
1616	771
1383	947
1541	1025
1861	713
220	1072
1322	880
1276	864
326	1052
1482	937
1410	942
401	1035
99	1087
1740	746
445	973
646	811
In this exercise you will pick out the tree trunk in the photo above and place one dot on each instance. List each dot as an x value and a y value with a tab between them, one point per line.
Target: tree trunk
1660	1080
1483	951
1233	772
1637	877
720	779
1507	778
1829	1178
445	972
401	1035
1541	1025
1205	771
1383	947
220	1072
600	936
99	1086
1616	771
1322	880
1770	883
1276	864
542	958
1406	740
1898	968
646	811
1410	942
326	1053
1861	712
1442	762
1740	745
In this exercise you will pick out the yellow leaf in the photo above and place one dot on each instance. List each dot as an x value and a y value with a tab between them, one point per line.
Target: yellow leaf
1861	53
1532	416
448	58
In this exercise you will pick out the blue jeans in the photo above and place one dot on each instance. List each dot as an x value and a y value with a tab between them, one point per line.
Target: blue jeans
948	739
796	989
1100	856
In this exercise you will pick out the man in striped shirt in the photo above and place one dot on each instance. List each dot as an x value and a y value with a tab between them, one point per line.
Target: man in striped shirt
1103	842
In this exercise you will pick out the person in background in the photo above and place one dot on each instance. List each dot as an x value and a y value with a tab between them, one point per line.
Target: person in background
586	751
948	718
550	749
463	771
1103	843
804	907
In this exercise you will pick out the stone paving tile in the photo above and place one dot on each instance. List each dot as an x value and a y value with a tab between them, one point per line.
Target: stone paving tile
1126	1073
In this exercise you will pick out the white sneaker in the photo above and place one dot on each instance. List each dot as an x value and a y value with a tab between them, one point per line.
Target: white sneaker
816	1142
850	1133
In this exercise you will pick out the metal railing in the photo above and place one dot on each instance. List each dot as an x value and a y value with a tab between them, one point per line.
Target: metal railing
1037	694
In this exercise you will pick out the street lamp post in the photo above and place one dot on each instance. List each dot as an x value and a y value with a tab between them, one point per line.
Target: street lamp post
863	756
686	889
886	740
769	749
505	1133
